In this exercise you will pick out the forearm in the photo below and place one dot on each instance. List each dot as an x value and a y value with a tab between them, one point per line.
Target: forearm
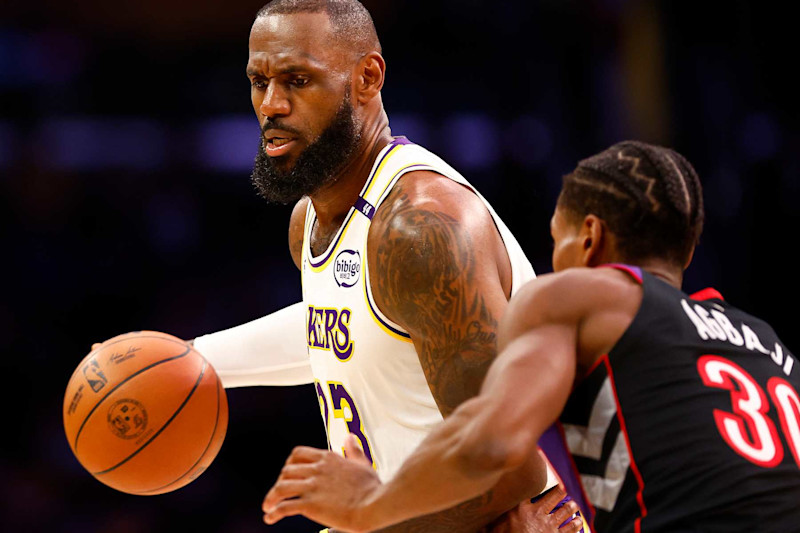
448	468
485	438
268	351
467	517
475	514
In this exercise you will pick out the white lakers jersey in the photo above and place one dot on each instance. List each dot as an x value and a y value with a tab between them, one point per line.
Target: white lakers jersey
368	377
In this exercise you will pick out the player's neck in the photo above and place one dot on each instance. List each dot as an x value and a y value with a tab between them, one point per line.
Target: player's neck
665	271
332	203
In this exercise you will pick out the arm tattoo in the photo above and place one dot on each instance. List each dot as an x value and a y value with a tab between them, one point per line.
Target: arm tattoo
426	265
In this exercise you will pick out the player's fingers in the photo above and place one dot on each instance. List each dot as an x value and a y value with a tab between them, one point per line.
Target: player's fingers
565	512
552	498
282	490
305	454
353	450
298	471
282	510
573	526
96	345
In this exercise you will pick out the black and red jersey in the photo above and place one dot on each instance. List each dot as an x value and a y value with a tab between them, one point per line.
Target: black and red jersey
691	423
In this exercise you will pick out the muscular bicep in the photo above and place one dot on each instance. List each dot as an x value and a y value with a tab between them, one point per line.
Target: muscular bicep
589	307
432	271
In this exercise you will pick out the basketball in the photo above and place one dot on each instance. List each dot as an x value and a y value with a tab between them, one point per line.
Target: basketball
145	413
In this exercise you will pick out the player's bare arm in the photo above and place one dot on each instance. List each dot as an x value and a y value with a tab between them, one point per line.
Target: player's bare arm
555	326
480	513
486	436
356	481
599	302
440	270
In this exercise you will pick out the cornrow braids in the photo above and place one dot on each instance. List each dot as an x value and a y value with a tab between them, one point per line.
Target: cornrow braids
649	196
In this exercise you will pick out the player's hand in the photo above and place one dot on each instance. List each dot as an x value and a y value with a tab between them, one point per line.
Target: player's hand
539	517
323	486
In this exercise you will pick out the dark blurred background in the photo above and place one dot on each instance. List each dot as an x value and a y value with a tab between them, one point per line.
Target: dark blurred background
126	139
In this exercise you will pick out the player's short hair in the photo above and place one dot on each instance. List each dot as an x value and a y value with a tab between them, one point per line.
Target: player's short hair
649	196
351	22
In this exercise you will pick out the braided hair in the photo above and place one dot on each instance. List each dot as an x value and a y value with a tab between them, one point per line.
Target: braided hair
649	196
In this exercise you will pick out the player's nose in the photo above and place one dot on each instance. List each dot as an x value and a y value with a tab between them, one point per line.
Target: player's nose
275	102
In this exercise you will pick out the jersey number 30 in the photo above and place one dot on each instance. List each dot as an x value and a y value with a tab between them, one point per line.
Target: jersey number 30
747	429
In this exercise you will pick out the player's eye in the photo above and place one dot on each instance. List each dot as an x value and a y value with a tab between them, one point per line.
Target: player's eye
299	82
259	84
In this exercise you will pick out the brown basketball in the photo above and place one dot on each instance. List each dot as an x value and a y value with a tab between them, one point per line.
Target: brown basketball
144	413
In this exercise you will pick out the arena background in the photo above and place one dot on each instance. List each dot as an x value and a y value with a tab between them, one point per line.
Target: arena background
126	138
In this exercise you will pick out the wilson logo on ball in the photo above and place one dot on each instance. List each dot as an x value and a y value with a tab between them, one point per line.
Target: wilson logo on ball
127	418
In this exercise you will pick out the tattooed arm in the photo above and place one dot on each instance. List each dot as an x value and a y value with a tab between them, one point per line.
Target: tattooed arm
440	269
556	326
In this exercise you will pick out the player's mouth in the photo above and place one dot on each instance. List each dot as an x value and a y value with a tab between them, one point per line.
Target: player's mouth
277	146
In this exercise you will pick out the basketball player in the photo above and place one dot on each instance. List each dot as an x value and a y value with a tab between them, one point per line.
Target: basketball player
685	416
406	269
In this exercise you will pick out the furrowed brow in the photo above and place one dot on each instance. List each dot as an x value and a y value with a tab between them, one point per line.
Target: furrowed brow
291	68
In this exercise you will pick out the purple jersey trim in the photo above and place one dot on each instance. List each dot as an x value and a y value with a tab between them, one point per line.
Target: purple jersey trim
401	140
317	262
634	271
365	208
554	448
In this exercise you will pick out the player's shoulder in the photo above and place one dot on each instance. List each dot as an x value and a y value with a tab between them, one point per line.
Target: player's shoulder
425	196
598	303
299	210
297	223
576	292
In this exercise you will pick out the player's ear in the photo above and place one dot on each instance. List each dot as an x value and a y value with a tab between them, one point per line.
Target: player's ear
593	241
369	76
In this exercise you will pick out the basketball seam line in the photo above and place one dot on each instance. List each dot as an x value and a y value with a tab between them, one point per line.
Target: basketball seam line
213	434
109	393
157	433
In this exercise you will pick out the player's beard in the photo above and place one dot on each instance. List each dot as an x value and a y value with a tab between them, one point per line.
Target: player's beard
318	165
